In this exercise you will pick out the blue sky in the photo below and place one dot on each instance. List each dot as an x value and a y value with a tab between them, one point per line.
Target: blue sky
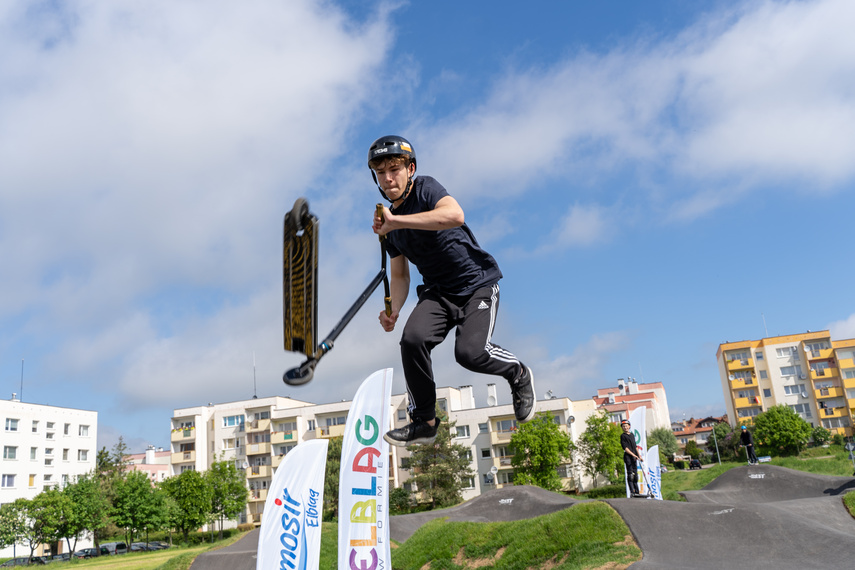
654	179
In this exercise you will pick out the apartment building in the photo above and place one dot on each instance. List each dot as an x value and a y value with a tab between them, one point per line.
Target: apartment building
628	395
697	430
43	447
256	434
811	373
154	462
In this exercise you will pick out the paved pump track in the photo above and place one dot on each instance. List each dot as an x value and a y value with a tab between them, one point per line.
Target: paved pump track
750	517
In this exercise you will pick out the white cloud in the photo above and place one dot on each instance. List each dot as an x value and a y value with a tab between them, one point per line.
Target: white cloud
844	328
740	101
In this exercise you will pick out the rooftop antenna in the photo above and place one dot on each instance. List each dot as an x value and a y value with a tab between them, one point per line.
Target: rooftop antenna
22	379
254	385
764	324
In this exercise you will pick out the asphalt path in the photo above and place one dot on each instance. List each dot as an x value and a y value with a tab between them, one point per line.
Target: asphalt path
760	517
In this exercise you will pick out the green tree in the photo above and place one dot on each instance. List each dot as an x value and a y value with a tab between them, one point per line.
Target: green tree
539	448
331	479
781	429
91	509
53	511
137	507
666	440
820	435
12	524
228	491
692	449
727	441
440	470
599	448
400	501
192	498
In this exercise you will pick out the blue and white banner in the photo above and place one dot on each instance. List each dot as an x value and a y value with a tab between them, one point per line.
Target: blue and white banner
654	472
637	421
363	495
290	535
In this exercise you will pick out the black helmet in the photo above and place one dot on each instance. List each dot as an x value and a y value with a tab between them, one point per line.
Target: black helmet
391	146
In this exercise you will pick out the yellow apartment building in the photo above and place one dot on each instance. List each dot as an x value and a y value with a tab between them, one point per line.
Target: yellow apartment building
811	373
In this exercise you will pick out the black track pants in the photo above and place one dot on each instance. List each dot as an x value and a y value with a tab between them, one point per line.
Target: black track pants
431	321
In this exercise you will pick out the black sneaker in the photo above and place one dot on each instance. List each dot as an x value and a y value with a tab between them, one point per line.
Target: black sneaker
522	390
419	431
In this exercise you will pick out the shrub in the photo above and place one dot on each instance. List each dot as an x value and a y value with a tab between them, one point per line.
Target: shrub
607	492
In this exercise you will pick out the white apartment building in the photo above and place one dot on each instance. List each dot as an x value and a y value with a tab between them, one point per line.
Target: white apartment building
257	433
43	447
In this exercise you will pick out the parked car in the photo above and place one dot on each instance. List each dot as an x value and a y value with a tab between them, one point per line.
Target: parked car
694	464
92	552
159	544
140	547
23	561
116	547
63	556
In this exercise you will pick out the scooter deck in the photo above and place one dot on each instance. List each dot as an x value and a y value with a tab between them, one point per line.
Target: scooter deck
300	280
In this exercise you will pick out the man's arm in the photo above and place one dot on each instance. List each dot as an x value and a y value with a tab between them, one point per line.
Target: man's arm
446	214
399	288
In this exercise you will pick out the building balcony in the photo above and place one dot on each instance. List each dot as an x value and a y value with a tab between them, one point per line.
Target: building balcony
184	457
849	382
742	383
259	495
752	402
825	373
258	448
277	460
737	364
256	471
846	363
257	425
826	413
823	354
283	436
831	392
499	437
329	431
179	435
503	462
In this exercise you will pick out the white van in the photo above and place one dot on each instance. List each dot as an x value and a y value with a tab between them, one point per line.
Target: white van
116	547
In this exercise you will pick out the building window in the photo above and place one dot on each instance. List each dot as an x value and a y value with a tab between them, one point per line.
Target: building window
787	351
767	393
832	423
462	431
82	454
795	390
483	428
747	412
65	455
506	477
405	463
233	421
469	483
66	429
745	393
188	468
402	415
229	443
763	375
7	481
33	453
801	409
32	479
505	426
485	453
285	449
35	426
11	424
312	425
83	431
287	426
10	452
49	451
443	405
336	421
758	355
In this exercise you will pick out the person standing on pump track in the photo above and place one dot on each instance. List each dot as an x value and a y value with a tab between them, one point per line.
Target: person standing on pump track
630	456
425	226
746	440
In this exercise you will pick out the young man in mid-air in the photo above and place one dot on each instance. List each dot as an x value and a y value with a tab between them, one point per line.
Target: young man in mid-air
425	226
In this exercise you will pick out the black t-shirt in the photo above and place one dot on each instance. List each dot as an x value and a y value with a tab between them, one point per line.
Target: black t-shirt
627	441
450	261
